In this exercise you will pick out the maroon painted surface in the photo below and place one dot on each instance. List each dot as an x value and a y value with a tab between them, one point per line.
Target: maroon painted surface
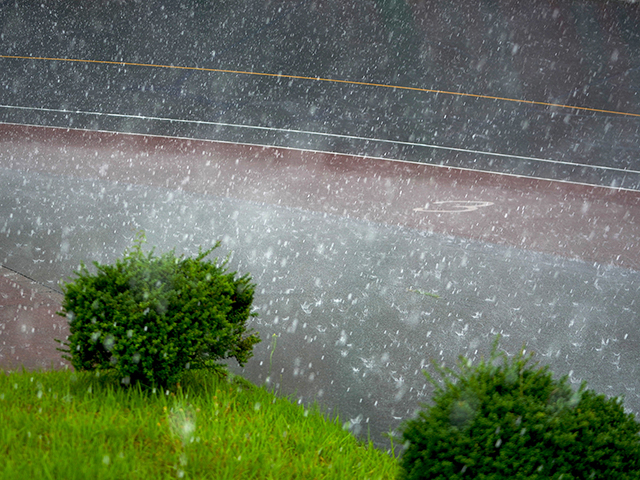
576	221
29	324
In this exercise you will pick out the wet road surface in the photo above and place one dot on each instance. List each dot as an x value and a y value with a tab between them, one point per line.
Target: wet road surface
366	271
470	173
539	89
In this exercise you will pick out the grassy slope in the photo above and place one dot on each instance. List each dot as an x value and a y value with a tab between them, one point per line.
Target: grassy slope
62	424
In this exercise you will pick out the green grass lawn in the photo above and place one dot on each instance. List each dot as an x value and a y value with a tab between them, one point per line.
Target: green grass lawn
68	425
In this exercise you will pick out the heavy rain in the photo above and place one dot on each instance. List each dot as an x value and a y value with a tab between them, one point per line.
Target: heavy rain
404	180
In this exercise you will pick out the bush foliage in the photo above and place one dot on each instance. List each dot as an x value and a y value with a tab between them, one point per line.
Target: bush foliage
510	419
150	318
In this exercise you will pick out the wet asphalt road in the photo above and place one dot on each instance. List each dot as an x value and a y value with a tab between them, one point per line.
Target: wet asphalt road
477	78
342	291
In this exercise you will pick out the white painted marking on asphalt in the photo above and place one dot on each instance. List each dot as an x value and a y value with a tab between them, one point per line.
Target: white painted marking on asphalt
324	134
455	206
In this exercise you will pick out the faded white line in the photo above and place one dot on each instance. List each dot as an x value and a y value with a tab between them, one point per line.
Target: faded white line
323	134
454	206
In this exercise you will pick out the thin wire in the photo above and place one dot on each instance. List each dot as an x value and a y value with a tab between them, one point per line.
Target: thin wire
48	287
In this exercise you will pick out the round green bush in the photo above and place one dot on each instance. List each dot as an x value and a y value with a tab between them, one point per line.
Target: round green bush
509	419
150	318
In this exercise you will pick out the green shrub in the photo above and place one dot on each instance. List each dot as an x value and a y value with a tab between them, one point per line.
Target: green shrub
150	318
508	419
